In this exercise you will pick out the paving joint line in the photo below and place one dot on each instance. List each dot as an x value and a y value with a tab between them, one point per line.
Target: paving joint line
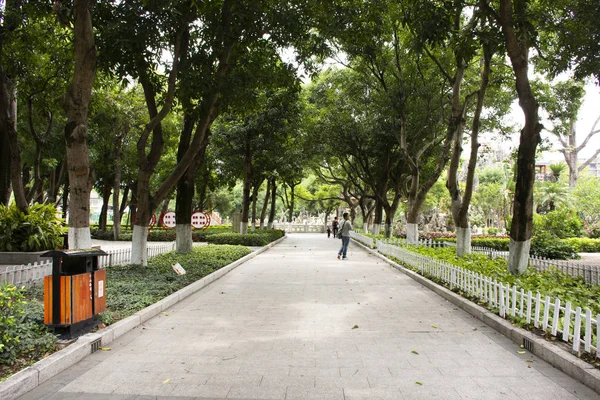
31	377
564	361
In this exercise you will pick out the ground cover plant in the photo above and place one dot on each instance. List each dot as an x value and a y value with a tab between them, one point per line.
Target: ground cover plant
132	288
549	283
24	339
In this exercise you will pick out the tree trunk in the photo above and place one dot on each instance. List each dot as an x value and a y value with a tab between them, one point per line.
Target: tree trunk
292	200
8	124
185	193
117	189
75	104
246	198
254	201
273	203
143	214
263	212
518	50
106	191
378	217
5	169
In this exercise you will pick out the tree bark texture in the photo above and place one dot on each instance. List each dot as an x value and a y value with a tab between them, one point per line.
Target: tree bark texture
102	221
247	186
117	188
273	202
75	104
8	124
263	212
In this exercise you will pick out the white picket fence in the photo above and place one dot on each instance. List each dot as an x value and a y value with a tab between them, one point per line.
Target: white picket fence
31	274
589	273
366	240
571	325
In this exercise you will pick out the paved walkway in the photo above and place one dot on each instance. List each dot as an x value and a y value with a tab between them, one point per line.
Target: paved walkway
296	323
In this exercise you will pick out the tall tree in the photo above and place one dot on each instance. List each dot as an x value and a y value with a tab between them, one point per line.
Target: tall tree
514	19
75	103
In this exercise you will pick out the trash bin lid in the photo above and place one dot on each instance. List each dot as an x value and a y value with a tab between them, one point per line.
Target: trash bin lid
74	253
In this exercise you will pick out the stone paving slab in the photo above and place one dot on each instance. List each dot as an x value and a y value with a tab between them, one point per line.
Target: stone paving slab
296	323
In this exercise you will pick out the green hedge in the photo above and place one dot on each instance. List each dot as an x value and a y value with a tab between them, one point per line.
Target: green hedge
584	245
258	238
132	288
162	235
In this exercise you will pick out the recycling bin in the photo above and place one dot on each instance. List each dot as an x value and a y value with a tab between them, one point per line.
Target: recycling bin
75	293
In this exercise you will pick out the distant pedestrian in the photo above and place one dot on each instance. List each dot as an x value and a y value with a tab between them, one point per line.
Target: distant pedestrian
328	231
335	225
345	229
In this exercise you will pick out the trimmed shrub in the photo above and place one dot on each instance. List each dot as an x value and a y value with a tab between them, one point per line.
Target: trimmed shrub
37	230
500	244
549	246
162	235
584	245
258	238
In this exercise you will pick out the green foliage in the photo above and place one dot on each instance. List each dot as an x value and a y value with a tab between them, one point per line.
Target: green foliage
161	235
500	244
548	283
584	245
547	245
22	332
562	223
258	238
38	230
132	288
493	231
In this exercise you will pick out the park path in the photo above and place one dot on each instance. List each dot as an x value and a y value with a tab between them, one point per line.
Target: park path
296	323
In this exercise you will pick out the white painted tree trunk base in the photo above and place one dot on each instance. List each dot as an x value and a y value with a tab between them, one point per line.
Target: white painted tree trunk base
518	258
270	225
243	228
376	229
80	238
412	233
183	239
463	241
139	245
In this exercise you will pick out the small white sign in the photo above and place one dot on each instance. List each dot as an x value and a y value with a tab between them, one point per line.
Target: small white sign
179	269
100	289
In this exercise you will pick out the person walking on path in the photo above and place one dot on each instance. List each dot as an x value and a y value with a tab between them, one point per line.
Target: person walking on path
328	231
335	225
345	229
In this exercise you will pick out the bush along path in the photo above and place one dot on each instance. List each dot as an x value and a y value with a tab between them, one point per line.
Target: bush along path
24	339
554	285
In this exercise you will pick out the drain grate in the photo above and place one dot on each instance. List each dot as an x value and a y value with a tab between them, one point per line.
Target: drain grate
95	345
528	344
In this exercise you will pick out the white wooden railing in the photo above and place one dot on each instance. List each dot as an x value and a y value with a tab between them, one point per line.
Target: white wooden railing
589	273
299	228
572	325
31	274
364	239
